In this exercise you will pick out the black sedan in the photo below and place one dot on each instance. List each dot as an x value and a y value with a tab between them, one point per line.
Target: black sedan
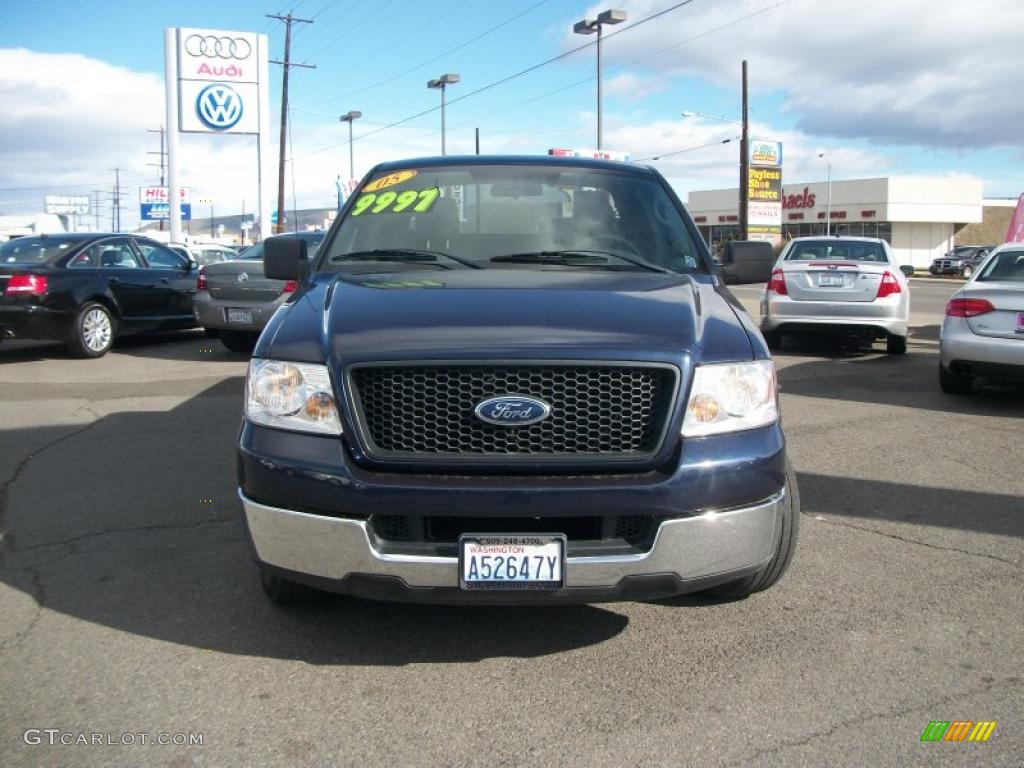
84	289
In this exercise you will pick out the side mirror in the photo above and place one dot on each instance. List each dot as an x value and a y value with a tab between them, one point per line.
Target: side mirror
285	258
192	266
907	270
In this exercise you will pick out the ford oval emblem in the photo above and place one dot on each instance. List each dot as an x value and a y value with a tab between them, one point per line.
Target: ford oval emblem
512	410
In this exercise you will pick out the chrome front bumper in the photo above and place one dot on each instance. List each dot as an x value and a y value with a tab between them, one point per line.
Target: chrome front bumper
694	548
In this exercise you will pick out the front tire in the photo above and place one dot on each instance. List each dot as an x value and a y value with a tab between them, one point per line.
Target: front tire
238	341
954	383
773	339
784	551
92	333
896	345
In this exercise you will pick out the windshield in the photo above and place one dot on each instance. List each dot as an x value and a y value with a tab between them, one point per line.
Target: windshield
1004	266
828	250
35	250
513	217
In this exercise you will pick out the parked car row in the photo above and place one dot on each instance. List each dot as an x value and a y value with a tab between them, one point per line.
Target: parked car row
85	289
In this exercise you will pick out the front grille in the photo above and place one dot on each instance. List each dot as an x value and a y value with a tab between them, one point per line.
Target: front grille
426	412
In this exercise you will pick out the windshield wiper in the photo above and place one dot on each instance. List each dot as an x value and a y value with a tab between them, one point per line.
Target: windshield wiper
576	258
406	255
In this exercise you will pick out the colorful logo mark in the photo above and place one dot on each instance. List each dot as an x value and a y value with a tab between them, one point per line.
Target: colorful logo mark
958	730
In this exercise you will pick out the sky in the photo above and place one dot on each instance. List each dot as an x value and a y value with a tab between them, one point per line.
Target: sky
903	87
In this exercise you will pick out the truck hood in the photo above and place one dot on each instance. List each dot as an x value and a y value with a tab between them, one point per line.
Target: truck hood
507	313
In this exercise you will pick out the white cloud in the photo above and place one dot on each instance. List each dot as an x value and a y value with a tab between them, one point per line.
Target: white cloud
629	86
920	72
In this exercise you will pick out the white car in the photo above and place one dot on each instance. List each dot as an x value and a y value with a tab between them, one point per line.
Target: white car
844	285
983	331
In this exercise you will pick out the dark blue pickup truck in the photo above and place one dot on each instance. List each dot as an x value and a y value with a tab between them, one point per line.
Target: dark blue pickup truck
508	380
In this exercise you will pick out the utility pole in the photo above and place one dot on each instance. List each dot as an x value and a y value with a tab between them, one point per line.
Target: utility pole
744	163
163	155
285	65
96	207
115	208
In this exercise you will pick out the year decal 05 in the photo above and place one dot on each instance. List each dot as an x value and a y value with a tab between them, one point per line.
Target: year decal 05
396	202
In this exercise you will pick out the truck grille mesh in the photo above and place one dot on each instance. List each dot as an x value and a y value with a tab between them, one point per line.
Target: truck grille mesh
597	411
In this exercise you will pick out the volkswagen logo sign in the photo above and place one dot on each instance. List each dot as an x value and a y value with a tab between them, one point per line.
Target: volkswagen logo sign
512	410
216	47
219	107
242	277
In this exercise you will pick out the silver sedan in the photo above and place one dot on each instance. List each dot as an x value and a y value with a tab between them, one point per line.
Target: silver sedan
983	331
842	285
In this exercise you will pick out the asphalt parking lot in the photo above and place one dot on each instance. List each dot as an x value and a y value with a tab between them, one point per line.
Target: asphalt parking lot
131	607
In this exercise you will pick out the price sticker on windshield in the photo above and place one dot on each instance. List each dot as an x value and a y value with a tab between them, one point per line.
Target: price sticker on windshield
389	181
416	201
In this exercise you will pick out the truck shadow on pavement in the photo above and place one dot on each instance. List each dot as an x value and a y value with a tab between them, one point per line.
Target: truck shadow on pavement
910	381
142	533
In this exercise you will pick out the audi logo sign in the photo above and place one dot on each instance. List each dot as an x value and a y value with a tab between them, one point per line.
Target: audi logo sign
215	55
218	47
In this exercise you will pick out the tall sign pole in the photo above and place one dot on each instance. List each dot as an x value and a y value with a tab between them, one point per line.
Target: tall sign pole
171	95
744	163
263	155
216	83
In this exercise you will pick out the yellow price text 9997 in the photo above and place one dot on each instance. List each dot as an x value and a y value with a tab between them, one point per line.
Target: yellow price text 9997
396	202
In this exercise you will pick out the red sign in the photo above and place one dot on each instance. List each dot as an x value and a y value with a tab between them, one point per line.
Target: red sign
805	200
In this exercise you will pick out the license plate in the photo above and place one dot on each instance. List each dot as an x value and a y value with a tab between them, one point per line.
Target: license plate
1020	322
830	281
241	316
511	561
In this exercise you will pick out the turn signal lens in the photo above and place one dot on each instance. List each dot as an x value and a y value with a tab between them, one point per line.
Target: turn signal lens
968	307
777	283
888	286
20	285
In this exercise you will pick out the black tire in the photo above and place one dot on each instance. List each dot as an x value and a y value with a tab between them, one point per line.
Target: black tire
92	333
211	333
967	271
238	341
896	345
784	551
954	383
773	339
283	592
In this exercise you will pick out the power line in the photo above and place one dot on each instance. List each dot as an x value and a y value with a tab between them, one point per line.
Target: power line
508	78
423	64
688	149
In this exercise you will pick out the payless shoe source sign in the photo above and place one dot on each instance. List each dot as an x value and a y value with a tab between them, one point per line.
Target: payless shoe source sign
218	81
764	211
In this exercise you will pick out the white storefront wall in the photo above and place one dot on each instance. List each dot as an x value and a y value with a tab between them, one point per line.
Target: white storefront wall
921	213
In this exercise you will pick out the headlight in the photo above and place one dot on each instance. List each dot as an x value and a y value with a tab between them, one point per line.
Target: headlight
296	396
731	397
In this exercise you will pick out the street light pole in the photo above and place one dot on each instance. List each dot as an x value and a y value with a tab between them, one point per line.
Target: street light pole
444	80
589	27
350	117
828	203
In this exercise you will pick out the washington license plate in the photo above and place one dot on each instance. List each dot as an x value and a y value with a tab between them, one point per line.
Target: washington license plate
513	561
240	316
830	281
